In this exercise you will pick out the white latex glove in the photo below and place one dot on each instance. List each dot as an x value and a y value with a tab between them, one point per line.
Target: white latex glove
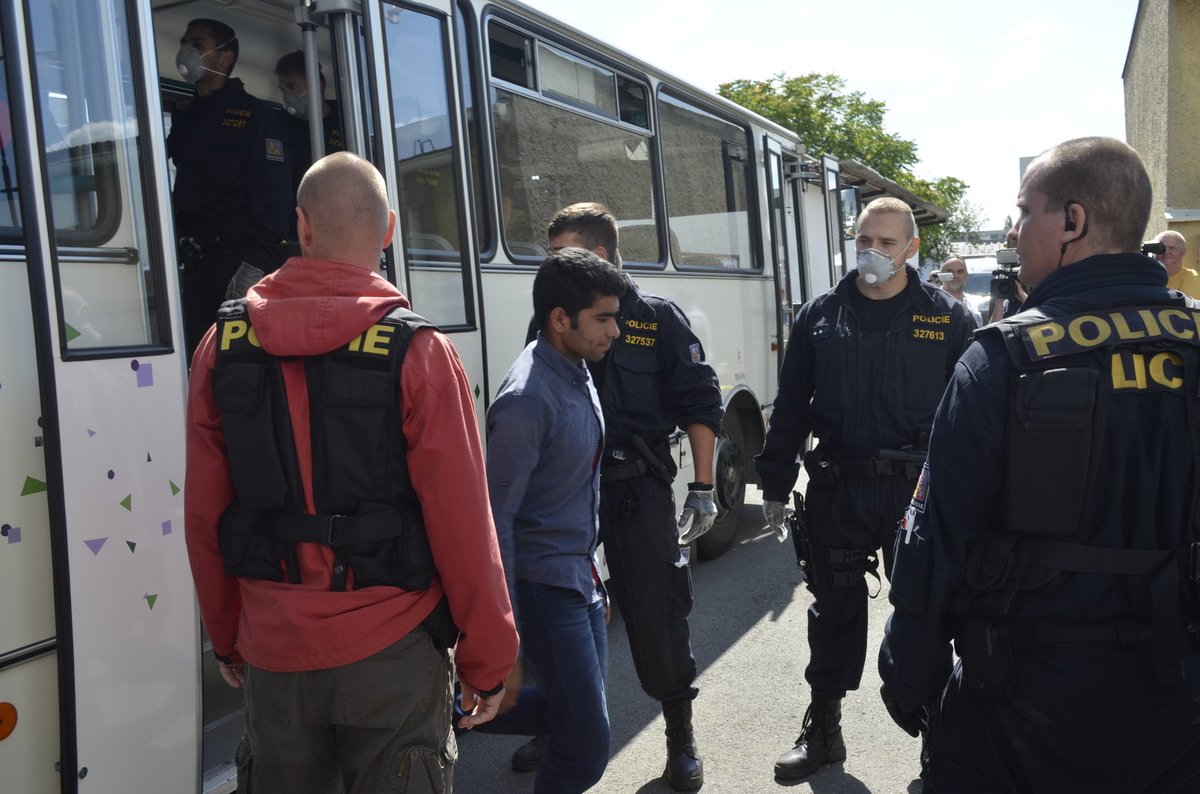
776	514
699	510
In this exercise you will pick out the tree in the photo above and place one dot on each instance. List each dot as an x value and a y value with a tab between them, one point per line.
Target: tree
831	120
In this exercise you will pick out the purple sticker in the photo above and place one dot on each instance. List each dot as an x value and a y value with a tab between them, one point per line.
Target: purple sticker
91	433
96	544
145	375
166	527
12	533
133	365
111	474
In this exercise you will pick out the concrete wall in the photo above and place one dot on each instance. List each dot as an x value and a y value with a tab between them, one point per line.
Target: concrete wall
1162	113
1146	86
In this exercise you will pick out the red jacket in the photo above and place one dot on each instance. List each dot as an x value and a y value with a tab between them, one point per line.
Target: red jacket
306	308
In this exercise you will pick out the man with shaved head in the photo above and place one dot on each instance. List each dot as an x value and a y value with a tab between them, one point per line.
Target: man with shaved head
1054	536
956	269
1179	277
337	515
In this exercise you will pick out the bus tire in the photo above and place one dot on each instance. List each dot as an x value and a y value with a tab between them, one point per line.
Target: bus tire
730	487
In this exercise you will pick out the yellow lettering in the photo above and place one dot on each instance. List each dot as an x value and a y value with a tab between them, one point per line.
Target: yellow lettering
1123	329
1158	370
1151	324
355	344
641	325
937	319
1041	336
1165	317
1122	378
379	337
231	330
1103	331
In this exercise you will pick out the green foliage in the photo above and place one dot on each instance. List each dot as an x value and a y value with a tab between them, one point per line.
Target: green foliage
845	124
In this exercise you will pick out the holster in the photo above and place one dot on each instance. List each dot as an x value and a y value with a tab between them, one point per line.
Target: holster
985	647
801	540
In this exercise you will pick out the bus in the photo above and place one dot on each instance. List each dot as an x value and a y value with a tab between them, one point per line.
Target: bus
485	118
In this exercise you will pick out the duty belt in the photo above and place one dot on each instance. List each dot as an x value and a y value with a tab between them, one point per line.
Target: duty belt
615	472
876	467
1027	634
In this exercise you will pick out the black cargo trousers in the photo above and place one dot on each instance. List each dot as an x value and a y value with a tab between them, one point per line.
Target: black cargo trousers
849	519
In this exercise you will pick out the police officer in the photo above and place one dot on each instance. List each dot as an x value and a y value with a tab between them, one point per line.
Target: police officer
233	193
1054	535
864	370
653	380
293	89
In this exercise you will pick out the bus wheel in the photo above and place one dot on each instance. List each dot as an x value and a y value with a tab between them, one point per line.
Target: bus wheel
730	486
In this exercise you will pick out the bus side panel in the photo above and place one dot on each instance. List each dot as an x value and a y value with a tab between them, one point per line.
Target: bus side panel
136	640
28	689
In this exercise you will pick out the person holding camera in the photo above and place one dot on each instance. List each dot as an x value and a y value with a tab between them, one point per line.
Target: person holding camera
1171	246
863	372
1054	536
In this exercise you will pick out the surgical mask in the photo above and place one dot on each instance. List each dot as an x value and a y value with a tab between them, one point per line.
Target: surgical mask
295	103
190	62
876	267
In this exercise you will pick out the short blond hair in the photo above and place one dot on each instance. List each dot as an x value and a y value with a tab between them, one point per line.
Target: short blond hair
887	204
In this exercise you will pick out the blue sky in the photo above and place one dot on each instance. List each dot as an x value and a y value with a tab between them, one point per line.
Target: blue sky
976	85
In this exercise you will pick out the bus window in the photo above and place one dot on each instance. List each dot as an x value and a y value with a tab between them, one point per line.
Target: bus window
709	180
107	289
555	153
431	202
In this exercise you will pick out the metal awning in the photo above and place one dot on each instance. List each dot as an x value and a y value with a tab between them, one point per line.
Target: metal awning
872	185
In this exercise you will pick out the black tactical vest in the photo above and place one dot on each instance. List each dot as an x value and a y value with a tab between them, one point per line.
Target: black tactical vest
367	510
1068	368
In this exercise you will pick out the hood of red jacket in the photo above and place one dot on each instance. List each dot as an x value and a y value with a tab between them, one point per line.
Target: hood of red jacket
311	306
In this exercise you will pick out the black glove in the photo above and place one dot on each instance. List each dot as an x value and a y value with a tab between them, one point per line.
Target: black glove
914	723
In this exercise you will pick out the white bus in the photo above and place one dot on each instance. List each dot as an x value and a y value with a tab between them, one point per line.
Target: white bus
485	117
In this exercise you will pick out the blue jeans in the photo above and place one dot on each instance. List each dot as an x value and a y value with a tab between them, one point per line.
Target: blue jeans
566	644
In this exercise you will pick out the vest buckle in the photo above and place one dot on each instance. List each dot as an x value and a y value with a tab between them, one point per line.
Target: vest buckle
326	531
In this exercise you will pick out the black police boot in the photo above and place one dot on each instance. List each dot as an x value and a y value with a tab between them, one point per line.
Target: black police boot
685	770
820	740
528	757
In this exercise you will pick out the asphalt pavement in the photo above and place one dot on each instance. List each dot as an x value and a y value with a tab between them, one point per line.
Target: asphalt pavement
749	641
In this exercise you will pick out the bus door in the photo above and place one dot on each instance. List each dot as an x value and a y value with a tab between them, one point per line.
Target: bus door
784	249
98	635
420	150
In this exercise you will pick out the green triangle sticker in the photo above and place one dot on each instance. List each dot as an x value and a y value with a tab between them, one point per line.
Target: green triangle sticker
32	486
131	545
174	488
72	334
150	599
127	503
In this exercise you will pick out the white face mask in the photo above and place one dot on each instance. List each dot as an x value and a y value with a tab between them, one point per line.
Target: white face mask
190	62
295	103
876	267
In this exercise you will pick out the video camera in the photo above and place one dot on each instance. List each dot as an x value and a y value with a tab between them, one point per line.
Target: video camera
1153	247
1004	277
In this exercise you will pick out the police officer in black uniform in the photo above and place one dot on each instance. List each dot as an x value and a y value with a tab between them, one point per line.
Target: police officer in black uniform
293	89
1055	535
233	191
653	380
864	370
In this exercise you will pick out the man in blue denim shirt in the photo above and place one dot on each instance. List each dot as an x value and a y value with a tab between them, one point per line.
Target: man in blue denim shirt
545	435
